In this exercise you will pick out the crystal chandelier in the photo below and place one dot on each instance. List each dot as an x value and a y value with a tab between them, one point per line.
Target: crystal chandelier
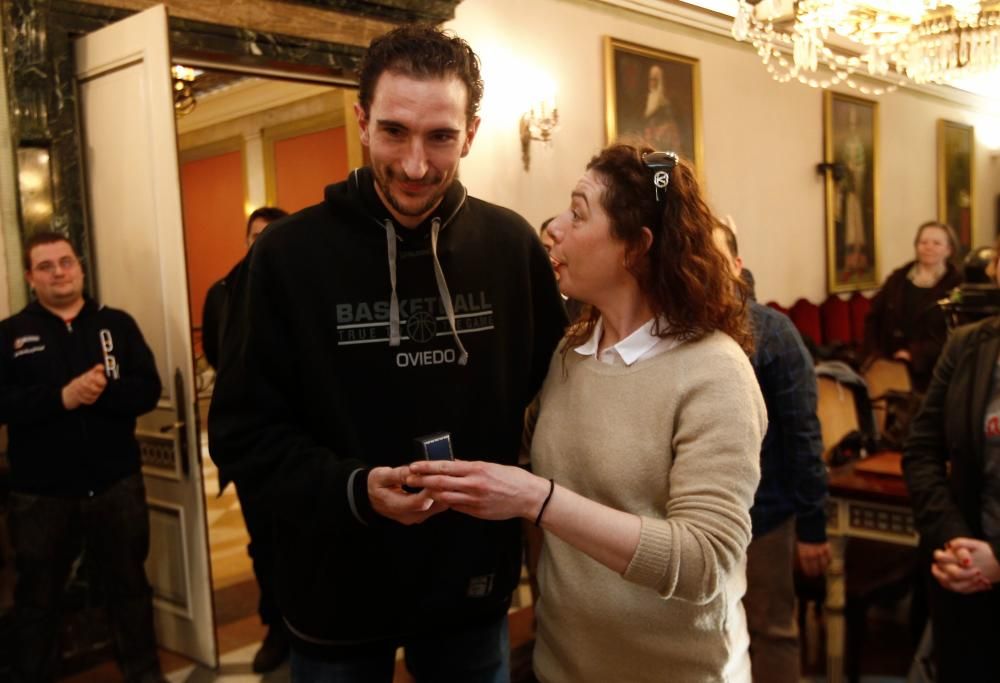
923	41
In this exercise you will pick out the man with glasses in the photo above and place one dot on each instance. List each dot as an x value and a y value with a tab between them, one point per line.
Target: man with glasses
74	376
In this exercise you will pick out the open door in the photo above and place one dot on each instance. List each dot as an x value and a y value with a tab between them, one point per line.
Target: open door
130	151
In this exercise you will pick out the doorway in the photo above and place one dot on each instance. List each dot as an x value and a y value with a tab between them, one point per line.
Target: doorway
248	141
244	141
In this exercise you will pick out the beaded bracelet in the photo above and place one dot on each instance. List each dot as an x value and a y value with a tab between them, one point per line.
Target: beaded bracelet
552	487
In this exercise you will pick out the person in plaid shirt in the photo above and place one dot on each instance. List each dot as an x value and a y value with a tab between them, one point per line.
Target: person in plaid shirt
788	514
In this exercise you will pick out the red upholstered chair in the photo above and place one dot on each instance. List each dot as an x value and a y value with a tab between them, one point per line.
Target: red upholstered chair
836	317
859	305
806	317
778	307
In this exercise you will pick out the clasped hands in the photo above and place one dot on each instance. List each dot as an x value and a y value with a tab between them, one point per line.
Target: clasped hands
966	565
85	389
481	489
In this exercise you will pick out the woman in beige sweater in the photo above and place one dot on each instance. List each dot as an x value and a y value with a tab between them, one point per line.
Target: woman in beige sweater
645	453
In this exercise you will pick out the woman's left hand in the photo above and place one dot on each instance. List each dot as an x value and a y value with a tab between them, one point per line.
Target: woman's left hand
980	556
481	489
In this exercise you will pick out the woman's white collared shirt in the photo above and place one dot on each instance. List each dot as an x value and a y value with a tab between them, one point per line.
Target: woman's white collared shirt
639	345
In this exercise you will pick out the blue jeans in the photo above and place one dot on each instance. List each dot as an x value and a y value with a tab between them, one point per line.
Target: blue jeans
472	655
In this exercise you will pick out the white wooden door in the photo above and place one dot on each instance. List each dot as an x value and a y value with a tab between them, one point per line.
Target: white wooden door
133	189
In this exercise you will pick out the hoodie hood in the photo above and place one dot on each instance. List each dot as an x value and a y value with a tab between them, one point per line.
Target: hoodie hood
358	194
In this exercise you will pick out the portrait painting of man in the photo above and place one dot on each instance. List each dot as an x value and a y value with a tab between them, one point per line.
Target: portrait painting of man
851	131
653	97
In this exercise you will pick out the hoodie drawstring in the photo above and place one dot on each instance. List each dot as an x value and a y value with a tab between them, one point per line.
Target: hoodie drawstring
390	239
449	309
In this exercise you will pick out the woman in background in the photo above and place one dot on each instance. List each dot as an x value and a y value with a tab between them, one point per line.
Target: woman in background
957	511
905	322
645	453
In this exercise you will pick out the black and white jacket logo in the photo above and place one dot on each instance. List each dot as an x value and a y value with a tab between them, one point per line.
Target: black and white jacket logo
21	347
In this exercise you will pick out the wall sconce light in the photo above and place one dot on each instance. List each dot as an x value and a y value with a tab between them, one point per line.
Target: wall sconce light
539	123
183	81
34	181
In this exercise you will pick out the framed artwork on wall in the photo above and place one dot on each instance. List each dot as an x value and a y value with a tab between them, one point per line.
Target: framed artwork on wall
956	146
653	96
850	153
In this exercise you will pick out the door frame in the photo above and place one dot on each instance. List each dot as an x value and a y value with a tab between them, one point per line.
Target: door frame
42	93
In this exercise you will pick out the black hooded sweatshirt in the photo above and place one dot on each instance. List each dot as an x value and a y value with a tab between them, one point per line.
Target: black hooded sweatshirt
313	391
68	453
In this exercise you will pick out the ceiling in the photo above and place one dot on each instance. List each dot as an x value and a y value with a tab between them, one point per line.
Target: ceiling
987	85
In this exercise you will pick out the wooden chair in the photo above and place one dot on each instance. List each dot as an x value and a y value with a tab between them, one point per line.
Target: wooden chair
838	417
836	412
881	376
876	572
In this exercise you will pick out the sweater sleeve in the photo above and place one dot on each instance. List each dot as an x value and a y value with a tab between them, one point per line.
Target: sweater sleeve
717	433
925	456
872	346
791	381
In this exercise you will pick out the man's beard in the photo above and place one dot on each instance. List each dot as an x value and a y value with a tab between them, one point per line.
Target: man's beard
655	100
384	181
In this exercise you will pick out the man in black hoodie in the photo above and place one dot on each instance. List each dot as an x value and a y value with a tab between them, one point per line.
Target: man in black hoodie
73	378
274	648
396	308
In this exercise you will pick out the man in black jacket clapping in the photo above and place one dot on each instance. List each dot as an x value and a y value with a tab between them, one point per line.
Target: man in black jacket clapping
74	376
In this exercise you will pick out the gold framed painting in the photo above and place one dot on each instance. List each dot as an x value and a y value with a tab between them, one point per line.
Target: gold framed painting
850	153
653	96
956	179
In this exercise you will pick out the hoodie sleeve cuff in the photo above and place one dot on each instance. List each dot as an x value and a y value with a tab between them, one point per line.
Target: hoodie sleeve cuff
811	528
357	497
57	406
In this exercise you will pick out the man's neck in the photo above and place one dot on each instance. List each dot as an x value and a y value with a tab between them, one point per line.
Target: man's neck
65	311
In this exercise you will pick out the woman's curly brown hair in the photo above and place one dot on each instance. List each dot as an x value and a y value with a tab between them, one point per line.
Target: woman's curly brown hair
683	275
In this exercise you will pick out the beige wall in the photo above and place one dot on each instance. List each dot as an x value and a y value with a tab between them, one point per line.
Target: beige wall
762	139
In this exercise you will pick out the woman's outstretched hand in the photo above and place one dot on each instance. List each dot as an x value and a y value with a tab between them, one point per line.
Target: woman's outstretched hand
481	489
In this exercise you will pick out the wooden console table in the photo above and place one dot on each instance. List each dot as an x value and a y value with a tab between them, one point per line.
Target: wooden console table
868	499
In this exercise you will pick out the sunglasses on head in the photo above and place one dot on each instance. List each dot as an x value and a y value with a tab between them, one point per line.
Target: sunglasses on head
660	163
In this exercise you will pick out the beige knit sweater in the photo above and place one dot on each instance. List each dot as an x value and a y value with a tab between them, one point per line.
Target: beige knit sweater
676	440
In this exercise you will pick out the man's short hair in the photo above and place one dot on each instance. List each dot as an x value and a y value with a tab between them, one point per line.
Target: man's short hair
421	52
40	238
268	213
730	238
